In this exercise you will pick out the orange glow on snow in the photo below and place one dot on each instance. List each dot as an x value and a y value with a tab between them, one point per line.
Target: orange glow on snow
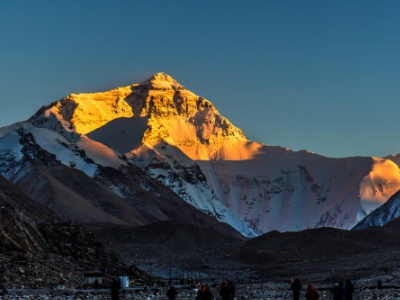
375	187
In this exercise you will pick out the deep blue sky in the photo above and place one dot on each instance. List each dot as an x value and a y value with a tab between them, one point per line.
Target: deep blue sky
316	75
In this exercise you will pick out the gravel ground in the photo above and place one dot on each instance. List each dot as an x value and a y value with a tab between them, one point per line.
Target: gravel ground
266	291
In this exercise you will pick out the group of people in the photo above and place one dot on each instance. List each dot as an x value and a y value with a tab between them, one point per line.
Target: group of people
340	291
203	292
226	291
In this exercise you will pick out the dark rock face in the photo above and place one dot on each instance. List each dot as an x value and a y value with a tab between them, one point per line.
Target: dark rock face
38	250
19	219
64	254
19	232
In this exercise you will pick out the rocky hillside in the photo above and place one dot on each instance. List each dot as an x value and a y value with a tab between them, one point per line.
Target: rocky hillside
20	217
38	250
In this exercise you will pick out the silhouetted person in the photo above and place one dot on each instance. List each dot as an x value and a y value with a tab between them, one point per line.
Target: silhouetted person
341	290
380	285
201	292
115	286
349	290
336	292
223	290
311	294
296	287
96	285
231	290
171	293
207	294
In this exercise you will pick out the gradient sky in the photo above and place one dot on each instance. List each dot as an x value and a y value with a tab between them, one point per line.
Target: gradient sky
316	75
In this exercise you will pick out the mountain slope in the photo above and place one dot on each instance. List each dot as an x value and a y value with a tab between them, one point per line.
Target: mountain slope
35	245
20	217
384	214
181	139
120	196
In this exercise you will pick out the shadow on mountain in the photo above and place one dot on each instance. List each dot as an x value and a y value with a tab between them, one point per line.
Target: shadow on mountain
122	134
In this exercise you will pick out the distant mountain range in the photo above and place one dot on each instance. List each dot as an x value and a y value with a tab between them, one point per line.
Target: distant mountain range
155	151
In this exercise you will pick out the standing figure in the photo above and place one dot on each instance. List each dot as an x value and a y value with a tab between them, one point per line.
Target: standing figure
115	286
171	293
380	285
296	287
96	285
341	290
311	294
336	292
349	290
201	292
223	288
207	294
224	291
231	290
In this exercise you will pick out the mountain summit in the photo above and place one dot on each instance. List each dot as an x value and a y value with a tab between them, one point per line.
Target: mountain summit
171	113
162	81
181	140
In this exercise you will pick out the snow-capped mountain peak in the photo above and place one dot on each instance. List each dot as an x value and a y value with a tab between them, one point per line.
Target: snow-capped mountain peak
162	81
182	140
172	113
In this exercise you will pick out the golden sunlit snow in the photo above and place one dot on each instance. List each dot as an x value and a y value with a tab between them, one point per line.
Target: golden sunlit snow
175	115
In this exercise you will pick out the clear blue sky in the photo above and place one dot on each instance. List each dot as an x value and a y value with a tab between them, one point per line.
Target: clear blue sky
316	75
